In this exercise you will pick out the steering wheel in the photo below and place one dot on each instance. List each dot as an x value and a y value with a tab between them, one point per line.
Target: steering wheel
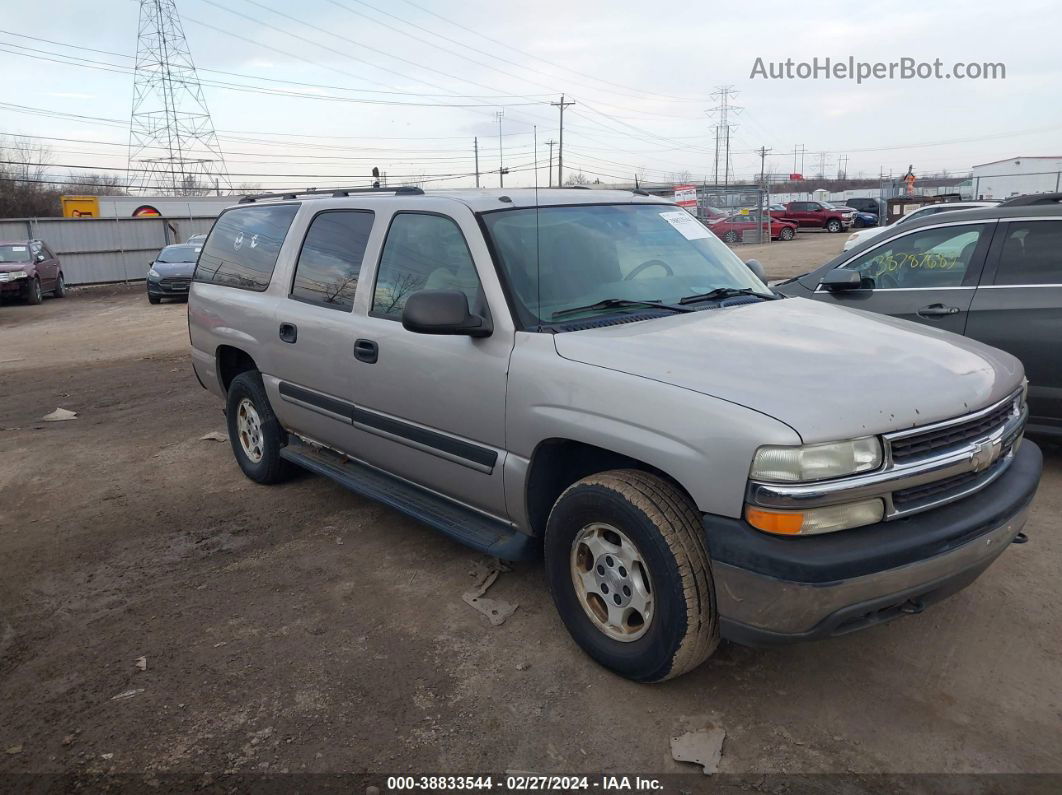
887	281
649	263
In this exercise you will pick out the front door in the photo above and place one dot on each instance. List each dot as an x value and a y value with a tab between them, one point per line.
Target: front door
928	276
432	408
1018	307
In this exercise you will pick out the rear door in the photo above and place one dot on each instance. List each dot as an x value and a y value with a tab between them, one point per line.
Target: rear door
313	327
1018	307
928	275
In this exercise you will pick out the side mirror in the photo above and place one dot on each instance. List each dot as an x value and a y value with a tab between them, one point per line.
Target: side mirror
756	267
442	312
840	279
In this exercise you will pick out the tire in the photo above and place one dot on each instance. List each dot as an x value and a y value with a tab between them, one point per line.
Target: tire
730	237
60	287
154	299
249	415
680	626
33	292
833	225
787	233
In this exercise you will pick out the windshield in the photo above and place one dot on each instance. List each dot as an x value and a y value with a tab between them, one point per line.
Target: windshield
14	253
179	254
559	258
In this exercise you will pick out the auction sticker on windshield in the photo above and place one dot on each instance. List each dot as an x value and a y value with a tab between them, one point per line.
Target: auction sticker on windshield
686	224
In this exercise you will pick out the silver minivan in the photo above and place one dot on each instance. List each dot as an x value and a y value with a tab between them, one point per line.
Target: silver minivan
593	377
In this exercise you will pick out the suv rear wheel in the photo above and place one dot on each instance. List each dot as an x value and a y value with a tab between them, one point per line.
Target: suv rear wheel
254	432
630	576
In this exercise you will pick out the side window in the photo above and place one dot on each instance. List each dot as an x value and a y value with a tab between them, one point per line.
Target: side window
1031	254
928	258
422	252
330	259
243	246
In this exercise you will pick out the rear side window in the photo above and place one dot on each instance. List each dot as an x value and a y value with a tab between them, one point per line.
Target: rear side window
243	246
1032	253
330	260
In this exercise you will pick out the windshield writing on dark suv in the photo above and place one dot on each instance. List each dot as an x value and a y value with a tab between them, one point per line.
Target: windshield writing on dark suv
577	261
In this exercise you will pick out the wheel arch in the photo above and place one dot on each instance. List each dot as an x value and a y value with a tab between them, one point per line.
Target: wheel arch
230	361
558	462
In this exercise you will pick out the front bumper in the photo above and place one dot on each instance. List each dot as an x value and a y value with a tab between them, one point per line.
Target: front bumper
772	589
169	287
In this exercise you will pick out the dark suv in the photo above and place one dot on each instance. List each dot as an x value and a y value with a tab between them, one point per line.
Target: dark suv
28	269
993	274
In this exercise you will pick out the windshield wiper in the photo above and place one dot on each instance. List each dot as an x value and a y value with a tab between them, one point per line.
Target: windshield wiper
617	303
724	292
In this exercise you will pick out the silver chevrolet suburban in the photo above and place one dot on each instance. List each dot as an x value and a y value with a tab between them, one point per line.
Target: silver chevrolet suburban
594	377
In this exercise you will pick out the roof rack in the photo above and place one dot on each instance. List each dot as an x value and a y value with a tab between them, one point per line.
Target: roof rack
404	190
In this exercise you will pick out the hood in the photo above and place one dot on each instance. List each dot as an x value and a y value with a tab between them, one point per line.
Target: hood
828	372
8	267
174	269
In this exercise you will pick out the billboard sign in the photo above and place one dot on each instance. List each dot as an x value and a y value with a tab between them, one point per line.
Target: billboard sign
686	197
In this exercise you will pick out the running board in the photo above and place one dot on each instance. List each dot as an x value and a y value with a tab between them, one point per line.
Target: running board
462	524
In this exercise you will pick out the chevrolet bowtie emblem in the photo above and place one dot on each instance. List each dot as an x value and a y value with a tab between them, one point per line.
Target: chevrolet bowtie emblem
985	454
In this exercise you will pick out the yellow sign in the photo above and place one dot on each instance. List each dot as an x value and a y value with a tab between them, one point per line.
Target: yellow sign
80	206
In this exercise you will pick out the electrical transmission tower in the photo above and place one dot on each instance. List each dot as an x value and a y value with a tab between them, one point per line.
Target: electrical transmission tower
173	148
722	112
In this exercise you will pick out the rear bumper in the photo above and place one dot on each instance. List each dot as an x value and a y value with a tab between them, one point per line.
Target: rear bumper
774	590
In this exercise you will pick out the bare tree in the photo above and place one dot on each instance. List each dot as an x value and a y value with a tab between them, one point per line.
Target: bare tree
578	178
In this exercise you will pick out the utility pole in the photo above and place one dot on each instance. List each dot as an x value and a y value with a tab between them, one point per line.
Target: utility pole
798	149
842	167
765	208
501	165
560	147
550	143
475	145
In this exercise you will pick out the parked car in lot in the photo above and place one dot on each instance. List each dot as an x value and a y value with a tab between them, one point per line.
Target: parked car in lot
817	215
1032	200
170	274
866	204
856	238
731	228
993	274
593	376
198	239
28	269
861	220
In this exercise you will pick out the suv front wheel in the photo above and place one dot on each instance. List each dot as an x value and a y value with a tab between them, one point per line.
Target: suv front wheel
254	432
630	576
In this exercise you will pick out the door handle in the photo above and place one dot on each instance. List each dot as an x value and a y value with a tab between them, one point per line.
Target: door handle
366	351
289	332
937	310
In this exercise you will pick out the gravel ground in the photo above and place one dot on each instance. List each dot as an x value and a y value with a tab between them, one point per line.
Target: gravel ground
300	628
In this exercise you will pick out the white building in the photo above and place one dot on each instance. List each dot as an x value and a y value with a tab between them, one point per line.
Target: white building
1017	176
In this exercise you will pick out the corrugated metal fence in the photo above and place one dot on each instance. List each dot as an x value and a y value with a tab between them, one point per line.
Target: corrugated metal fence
96	250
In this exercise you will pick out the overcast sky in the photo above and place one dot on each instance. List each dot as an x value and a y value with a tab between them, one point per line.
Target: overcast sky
642	75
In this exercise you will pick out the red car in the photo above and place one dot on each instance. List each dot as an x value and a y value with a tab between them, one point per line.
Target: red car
28	269
730	229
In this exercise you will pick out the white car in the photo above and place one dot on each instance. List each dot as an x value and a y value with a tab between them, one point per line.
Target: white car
863	235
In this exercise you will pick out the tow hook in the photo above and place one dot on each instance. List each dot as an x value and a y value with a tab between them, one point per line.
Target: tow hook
912	607
1020	538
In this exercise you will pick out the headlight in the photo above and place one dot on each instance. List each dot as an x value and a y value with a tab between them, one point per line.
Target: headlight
816	520
816	461
10	276
154	274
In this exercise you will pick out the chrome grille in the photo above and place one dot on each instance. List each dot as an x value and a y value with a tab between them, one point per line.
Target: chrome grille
915	446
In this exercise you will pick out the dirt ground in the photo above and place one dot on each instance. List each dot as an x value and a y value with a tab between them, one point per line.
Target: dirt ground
786	258
300	628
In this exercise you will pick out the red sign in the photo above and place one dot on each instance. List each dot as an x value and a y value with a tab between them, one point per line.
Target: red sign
795	177
146	211
686	195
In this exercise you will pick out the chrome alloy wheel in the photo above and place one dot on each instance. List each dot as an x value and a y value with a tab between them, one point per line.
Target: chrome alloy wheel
249	429
612	582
